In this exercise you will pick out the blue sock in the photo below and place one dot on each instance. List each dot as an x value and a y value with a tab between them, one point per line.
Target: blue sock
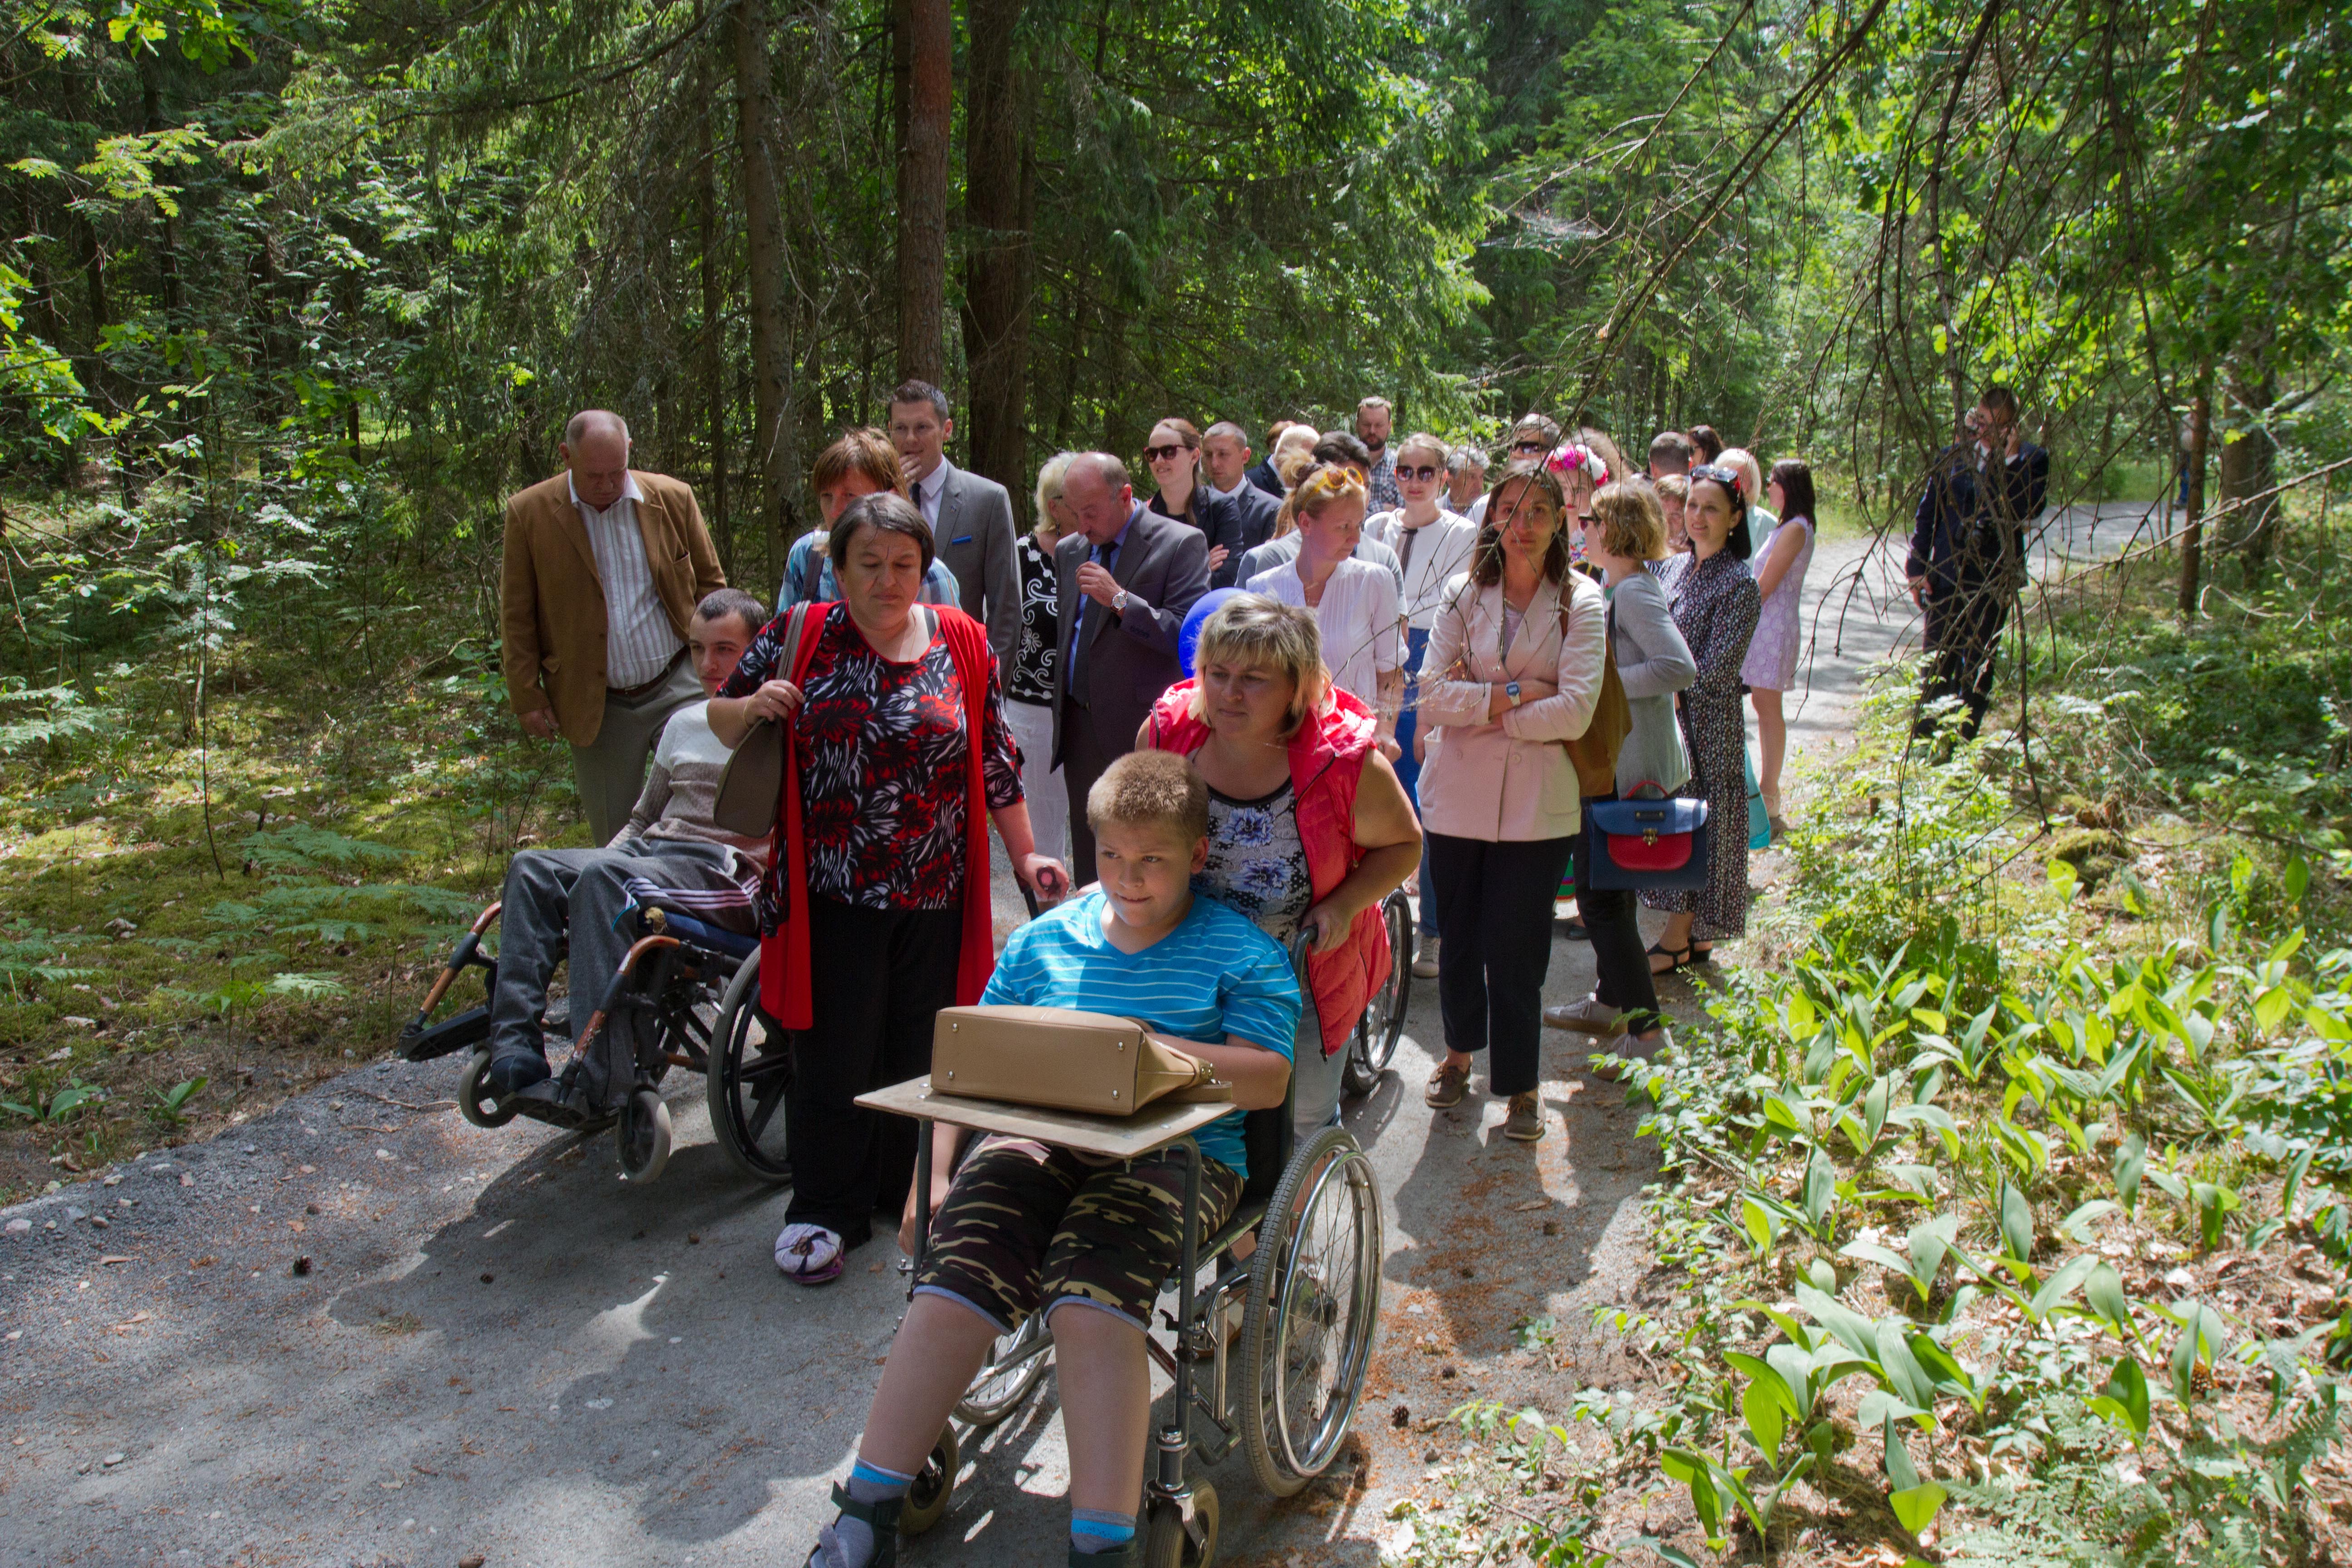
848	1542
1094	1530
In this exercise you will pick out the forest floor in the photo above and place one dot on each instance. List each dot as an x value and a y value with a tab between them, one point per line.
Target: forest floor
354	1329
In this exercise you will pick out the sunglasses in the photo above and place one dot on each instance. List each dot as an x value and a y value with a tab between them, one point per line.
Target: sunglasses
1162	454
1424	472
1530	446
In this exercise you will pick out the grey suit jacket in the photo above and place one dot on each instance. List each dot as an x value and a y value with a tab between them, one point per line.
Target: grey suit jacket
974	537
1125	662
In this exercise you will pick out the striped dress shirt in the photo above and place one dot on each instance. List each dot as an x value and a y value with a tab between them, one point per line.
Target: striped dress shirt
639	641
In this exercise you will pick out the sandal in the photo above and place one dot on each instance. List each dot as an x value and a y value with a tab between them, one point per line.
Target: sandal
881	1518
1447	1084
1676	958
809	1254
1701	954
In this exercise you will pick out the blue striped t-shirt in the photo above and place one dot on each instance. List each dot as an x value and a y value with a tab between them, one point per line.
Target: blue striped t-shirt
1215	974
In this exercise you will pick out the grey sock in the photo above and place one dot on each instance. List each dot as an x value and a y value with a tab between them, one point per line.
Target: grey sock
848	1542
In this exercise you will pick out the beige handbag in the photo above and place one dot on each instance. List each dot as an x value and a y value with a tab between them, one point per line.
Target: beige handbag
753	782
1064	1060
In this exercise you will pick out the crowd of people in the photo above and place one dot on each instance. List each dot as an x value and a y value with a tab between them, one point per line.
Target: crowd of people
1399	688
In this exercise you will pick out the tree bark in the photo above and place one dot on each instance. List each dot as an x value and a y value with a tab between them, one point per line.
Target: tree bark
2249	466
924	40
1000	196
764	222
2192	530
714	343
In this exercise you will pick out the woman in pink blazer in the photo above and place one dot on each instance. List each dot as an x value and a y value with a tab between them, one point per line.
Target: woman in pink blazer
1515	662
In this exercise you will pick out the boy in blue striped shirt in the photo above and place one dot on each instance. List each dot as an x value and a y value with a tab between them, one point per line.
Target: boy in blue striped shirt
1025	1225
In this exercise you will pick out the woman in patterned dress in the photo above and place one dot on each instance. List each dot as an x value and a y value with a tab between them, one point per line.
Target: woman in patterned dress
1029	684
901	756
1714	605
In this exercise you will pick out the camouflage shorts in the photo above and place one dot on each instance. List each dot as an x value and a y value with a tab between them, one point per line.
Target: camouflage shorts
1026	1225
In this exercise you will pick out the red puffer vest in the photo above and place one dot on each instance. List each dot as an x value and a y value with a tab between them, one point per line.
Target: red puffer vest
1327	760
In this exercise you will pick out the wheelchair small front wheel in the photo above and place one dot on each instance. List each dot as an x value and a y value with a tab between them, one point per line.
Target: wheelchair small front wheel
933	1488
475	1100
1168	1544
643	1135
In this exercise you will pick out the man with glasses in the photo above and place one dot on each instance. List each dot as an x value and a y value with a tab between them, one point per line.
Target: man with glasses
1532	440
971	517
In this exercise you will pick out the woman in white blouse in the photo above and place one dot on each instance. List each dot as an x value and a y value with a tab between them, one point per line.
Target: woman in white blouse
1355	601
1514	669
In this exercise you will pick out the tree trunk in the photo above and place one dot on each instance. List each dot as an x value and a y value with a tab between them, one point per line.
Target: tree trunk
2250	466
1000	194
714	344
764	222
2192	530
924	40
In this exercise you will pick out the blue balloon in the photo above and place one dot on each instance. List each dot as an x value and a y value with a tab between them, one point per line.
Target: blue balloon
1187	637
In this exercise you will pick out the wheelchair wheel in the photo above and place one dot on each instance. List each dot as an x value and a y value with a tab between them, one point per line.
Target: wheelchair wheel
474	1101
934	1488
1006	1380
1314	1298
1373	1044
643	1135
750	1068
1167	1543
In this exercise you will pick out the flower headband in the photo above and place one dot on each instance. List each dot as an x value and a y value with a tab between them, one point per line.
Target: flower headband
1567	458
1718	474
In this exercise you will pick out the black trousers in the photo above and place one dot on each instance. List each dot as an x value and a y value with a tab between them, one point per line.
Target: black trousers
1493	903
1620	965
1083	762
1963	642
880	977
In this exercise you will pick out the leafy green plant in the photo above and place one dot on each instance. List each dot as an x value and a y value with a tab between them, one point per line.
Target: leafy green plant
170	1108
57	1105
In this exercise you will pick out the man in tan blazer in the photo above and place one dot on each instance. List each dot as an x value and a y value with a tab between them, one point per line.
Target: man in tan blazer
603	567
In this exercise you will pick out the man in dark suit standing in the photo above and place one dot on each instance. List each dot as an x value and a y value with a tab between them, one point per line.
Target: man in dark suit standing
971	517
1261	474
1224	465
1126	577
1967	550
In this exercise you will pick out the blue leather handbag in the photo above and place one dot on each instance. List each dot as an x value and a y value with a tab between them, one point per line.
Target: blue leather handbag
1648	843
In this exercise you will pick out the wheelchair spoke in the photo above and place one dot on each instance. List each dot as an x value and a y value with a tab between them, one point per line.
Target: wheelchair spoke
765	1067
763	1108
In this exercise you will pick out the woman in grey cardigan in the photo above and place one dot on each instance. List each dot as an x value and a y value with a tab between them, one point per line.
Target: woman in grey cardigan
1625	532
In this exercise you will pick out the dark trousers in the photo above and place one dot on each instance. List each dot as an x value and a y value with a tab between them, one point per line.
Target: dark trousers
1619	964
1494	901
1083	762
1963	642
880	977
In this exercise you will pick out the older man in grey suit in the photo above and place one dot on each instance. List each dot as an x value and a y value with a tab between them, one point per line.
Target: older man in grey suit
1128	576
971	517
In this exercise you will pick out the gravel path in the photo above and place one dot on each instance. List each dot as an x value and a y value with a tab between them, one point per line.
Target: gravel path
357	1330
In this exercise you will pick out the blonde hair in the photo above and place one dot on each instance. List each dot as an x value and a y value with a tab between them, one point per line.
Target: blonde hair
1632	525
1423	441
866	451
1324	488
1250	629
1049	485
1677	486
1151	789
1741	461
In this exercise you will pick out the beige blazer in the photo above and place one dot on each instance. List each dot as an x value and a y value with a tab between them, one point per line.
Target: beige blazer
1508	781
551	601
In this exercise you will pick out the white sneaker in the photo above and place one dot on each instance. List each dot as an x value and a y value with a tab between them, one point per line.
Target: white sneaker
1424	960
1587	1016
1623	1050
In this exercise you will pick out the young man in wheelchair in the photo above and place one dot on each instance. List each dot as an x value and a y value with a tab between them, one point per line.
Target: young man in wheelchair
1023	1227
669	842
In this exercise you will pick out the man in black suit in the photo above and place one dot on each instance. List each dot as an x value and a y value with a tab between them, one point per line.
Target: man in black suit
1261	473
1967	550
1128	576
1251	511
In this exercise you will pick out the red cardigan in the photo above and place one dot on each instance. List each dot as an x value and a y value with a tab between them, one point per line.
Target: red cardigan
787	975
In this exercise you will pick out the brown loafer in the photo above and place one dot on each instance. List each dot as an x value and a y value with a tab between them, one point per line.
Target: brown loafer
1524	1124
1447	1084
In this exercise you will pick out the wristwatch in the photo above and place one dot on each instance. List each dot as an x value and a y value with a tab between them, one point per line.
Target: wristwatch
1511	690
1118	601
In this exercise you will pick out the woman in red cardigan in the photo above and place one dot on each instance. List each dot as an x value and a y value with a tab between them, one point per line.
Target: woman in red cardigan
1308	827
874	912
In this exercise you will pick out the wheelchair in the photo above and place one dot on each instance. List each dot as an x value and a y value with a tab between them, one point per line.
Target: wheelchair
1310	1293
1373	1044
690	991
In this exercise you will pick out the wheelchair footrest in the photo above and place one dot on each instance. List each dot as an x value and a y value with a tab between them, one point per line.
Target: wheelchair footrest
470	1028
544	1103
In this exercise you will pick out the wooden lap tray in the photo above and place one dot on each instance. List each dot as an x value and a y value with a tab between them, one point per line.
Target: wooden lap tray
1112	1137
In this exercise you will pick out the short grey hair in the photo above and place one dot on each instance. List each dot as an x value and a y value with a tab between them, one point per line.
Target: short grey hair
589	421
1108	464
1468	461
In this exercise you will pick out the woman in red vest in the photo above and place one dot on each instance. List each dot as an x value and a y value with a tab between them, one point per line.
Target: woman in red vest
875	912
1308	827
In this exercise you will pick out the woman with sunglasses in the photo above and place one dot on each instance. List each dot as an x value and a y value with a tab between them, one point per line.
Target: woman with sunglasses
1715	603
1173	453
1532	439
